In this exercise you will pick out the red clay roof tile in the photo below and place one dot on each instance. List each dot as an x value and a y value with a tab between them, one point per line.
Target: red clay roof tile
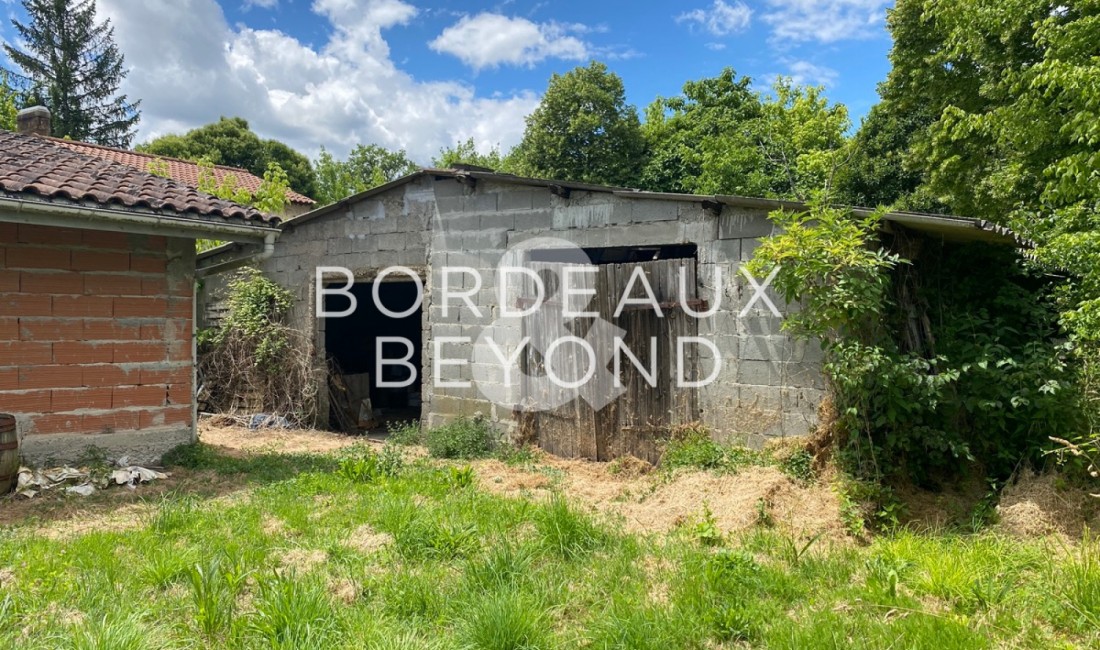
31	164
184	171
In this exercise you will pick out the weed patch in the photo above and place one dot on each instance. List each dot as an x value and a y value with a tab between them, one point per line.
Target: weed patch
465	438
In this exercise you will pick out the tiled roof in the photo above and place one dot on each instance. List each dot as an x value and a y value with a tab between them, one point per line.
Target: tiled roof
184	171
34	165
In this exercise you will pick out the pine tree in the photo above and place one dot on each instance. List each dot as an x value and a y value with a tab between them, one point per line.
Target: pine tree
72	65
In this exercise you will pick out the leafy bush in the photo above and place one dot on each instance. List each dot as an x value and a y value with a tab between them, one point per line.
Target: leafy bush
983	388
464	438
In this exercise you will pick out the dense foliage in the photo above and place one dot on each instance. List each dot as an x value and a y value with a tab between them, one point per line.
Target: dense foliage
230	141
68	61
938	362
583	130
366	166
466	153
253	360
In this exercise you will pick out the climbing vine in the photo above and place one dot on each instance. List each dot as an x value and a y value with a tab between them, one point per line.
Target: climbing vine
253	360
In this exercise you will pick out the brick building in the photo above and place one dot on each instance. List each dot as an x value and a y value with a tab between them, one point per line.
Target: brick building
768	385
97	269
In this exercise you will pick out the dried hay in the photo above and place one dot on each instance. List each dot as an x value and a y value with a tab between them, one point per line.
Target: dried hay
366	540
237	439
302	560
1038	505
658	503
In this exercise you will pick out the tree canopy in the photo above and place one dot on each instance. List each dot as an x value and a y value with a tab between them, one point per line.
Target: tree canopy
366	166
466	153
720	137
583	130
230	141
69	62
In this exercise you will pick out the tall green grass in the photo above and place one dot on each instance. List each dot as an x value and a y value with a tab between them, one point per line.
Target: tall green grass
455	567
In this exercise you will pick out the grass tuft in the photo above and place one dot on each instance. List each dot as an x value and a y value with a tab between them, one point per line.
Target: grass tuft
508	620
565	531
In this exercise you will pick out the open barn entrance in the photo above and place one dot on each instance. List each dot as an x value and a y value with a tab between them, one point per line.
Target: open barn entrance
364	399
643	410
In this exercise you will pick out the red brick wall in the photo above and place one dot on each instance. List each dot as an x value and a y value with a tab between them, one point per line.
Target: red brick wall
95	332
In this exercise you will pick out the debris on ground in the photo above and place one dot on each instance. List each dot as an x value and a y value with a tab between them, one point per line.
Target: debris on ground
267	421
82	481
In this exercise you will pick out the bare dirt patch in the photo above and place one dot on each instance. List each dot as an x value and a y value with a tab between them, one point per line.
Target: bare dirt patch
657	503
1036	505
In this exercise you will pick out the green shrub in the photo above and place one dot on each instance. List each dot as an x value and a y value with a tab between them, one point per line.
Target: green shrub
799	466
937	364
464	438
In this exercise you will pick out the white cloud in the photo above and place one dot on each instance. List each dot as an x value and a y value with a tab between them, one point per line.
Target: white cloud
806	73
717	47
489	40
720	19
263	4
188	66
826	21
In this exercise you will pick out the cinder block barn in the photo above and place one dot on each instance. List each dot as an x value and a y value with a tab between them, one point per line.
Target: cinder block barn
767	385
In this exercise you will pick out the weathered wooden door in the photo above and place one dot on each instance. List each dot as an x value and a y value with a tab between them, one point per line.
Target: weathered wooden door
616	414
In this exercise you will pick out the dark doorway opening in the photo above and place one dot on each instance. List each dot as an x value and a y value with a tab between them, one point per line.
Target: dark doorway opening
351	343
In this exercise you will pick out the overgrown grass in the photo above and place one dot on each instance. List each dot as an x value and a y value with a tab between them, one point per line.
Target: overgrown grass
321	553
462	438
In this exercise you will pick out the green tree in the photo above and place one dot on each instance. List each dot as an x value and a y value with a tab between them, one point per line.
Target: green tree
72	65
583	130
719	137
230	141
367	166
466	153
710	109
877	172
1013	91
8	109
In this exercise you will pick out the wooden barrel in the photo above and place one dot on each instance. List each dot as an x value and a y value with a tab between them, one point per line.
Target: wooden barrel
9	453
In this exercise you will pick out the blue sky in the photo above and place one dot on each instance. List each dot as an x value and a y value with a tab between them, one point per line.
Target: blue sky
422	74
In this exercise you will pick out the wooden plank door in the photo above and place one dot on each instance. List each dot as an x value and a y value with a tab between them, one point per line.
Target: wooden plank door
644	414
637	420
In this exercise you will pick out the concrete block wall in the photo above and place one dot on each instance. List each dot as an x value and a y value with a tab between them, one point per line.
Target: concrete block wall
96	341
769	385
